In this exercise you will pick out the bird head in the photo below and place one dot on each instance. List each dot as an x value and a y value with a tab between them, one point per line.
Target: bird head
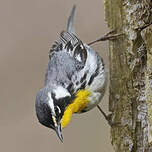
50	107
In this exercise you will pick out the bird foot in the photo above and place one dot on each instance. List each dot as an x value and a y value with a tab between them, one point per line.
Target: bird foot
109	36
108	117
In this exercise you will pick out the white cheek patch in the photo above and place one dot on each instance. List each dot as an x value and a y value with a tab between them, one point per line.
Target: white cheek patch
51	103
61	92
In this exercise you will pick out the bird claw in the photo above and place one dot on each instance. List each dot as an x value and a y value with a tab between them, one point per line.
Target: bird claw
109	36
108	118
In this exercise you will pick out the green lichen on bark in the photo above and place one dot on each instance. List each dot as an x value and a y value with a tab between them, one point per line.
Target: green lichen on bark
128	76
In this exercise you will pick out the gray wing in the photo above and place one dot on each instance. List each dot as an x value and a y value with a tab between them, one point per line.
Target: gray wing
61	68
67	57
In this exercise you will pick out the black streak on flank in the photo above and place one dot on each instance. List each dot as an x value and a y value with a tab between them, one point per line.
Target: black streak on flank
94	75
83	78
82	85
70	88
77	82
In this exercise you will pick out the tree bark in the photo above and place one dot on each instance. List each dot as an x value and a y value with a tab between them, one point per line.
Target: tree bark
130	56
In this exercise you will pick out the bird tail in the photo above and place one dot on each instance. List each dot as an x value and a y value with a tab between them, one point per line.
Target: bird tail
70	27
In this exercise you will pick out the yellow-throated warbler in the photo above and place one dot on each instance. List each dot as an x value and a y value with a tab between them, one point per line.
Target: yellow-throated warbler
75	81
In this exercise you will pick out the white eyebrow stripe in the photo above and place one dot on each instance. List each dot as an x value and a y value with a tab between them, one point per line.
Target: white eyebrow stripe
51	103
61	92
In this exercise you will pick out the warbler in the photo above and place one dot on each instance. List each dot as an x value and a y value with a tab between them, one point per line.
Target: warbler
75	80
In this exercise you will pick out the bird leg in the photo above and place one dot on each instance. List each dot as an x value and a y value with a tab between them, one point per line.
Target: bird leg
107	117
108	36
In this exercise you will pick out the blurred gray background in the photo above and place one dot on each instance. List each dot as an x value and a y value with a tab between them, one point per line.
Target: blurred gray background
28	28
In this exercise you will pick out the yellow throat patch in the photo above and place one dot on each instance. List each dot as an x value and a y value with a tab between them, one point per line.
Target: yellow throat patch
78	104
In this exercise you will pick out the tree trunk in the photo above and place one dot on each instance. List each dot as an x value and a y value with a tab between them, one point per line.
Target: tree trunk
130	71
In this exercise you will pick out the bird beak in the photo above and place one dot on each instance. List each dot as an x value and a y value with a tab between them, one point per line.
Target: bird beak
59	132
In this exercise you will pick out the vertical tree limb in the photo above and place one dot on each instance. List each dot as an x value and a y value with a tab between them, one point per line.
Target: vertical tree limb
129	57
148	40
